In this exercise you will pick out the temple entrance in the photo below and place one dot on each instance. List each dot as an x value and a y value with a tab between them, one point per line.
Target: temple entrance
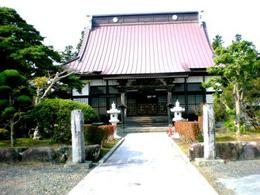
146	104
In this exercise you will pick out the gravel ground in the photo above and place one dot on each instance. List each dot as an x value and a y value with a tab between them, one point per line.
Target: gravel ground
46	178
40	178
221	175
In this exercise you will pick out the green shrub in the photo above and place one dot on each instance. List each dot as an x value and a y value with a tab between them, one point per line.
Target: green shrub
4	133
53	118
219	110
199	137
97	134
230	121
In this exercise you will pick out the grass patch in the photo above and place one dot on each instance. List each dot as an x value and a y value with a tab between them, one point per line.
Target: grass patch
26	142
184	146
222	137
231	136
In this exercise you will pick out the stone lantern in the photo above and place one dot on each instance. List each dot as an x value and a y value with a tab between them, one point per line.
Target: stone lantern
177	112
114	118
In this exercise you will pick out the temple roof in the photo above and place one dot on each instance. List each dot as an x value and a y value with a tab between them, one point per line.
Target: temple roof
144	44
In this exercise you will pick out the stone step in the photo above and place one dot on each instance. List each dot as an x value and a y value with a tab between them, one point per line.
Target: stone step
146	121
144	129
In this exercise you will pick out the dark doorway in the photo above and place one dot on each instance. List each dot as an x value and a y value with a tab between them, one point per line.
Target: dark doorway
146	104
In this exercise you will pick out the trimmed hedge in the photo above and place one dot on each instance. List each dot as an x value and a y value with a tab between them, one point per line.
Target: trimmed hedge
53	118
189	130
97	134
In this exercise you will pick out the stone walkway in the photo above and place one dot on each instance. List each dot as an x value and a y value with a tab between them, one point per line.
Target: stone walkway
147	164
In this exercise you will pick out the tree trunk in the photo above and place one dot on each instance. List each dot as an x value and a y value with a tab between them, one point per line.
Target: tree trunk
12	132
37	98
238	111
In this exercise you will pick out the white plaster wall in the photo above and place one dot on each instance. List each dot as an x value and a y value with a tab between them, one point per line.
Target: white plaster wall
195	79
179	80
207	78
113	82
84	91
97	82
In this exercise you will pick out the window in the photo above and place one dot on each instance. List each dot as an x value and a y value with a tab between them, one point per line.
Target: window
99	104
101	101
179	87
180	98
194	87
114	99
194	102
97	90
113	90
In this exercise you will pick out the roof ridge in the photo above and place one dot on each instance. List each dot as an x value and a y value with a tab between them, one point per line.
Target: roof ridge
145	23
145	14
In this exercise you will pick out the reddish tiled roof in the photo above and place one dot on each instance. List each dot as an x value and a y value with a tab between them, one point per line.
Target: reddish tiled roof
144	49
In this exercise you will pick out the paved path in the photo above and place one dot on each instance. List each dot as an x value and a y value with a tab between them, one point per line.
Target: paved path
145	164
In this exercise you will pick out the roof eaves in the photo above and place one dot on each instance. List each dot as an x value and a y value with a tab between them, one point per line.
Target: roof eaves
84	43
139	76
204	26
64	64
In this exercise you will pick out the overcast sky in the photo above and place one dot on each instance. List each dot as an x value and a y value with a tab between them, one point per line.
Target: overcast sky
61	21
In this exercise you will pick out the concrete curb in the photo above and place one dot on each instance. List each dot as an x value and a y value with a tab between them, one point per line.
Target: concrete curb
184	156
191	166
104	159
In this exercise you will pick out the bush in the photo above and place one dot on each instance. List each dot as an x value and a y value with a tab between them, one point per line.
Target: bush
188	130
97	134
109	130
219	110
53	118
4	134
230	121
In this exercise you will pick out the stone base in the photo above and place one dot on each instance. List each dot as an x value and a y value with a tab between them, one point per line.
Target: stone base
176	135
201	162
86	164
228	150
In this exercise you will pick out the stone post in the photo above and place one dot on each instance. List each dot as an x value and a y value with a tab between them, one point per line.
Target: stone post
77	132
209	132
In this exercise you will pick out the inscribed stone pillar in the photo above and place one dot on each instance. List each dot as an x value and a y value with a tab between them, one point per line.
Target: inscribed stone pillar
209	132
77	132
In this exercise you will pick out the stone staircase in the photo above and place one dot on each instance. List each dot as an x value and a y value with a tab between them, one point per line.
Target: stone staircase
146	121
146	124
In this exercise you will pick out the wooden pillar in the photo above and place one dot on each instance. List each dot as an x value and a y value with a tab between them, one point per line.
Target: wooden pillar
107	96
123	98
169	85
123	102
122	90
204	91
77	132
186	96
209	132
169	102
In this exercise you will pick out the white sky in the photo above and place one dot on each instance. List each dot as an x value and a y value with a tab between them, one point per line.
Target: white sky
61	21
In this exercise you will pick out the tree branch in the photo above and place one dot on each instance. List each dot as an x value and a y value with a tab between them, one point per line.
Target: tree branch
58	76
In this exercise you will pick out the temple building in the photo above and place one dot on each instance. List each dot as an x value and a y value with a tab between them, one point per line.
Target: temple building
144	63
